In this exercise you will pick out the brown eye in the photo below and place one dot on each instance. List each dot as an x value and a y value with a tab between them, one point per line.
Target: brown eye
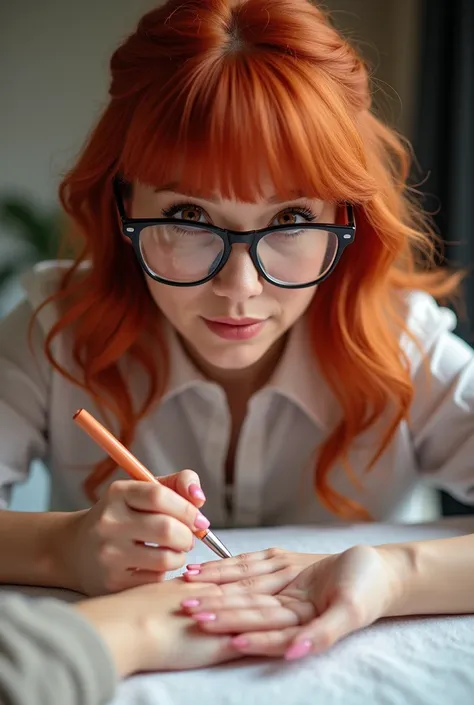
191	213
286	218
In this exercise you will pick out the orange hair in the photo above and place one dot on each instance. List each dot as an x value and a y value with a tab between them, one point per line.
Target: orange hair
217	95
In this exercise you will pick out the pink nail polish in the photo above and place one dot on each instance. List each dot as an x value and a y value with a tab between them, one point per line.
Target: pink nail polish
204	617
191	572
201	522
298	650
196	492
190	603
193	566
240	642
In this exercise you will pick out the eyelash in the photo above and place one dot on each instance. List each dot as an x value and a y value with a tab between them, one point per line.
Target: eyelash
172	210
304	211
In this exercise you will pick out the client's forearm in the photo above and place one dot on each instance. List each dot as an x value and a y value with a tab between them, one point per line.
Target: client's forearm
50	655
437	577
33	546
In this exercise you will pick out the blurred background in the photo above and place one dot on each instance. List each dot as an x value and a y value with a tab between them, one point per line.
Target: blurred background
54	77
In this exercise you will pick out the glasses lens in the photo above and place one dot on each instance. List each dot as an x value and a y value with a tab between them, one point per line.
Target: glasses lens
180	253
297	256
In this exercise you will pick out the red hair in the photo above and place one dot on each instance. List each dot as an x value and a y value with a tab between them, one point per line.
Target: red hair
217	95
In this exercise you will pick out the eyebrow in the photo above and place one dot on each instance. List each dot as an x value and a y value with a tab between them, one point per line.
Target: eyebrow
172	188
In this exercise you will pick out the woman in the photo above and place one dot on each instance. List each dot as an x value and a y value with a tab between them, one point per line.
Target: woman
249	303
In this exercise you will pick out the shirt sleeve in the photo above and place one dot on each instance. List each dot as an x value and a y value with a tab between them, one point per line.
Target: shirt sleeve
50	655
442	414
24	383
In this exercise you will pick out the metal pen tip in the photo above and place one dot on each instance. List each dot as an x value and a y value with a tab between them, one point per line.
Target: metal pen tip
216	545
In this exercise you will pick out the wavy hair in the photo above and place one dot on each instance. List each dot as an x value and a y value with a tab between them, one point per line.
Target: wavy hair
216	95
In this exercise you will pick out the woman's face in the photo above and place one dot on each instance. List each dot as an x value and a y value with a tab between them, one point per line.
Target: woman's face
209	317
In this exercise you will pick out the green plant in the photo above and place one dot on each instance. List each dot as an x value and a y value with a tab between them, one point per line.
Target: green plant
33	235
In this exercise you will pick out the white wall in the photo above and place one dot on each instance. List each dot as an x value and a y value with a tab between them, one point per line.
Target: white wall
53	59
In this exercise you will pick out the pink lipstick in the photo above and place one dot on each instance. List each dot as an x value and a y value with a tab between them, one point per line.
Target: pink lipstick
235	328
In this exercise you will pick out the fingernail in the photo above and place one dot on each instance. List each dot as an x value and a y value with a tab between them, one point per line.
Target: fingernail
191	572
204	617
201	522
190	603
240	642
298	650
196	492
194	566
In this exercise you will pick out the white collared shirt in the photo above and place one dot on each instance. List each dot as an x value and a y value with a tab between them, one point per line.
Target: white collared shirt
286	422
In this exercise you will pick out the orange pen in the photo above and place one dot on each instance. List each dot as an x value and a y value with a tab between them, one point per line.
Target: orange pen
135	469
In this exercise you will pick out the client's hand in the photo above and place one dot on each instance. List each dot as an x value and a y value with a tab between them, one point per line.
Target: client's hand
145	628
333	597
263	571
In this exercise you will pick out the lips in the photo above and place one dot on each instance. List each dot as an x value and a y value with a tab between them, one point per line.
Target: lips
235	328
236	321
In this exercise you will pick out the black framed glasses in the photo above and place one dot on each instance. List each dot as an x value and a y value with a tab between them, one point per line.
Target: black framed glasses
184	253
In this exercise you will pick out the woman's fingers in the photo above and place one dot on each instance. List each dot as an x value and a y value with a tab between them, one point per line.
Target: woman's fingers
187	484
248	565
159	499
295	642
270	584
260	613
165	531
270	643
220	601
244	558
154	559
321	633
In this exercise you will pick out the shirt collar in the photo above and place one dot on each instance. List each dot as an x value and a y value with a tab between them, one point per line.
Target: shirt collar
297	377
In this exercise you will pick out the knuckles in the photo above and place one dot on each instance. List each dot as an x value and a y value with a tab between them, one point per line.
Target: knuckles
117	489
276	552
107	525
247	583
165	531
109	556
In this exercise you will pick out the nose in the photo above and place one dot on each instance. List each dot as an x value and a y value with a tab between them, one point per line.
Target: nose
238	280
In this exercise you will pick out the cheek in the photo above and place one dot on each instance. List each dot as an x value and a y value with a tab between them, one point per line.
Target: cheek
175	302
293	302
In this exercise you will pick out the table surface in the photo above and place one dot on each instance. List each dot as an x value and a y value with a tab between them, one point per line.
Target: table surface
413	661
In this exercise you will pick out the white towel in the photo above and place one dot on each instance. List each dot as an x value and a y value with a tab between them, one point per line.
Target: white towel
417	661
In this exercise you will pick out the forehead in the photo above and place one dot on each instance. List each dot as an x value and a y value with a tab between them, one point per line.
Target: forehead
268	195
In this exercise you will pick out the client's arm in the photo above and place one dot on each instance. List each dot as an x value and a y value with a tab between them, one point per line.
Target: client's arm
338	594
57	654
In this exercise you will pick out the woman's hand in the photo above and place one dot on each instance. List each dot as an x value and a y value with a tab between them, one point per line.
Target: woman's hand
327	601
106	546
265	572
146	630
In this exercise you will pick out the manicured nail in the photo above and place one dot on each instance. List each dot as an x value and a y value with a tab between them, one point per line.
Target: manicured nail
196	492
191	572
204	617
190	603
298	650
201	522
240	642
194	566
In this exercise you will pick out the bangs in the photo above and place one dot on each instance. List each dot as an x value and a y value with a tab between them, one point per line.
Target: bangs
232	124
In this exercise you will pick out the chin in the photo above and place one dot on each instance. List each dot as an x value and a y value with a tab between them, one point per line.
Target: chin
234	359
